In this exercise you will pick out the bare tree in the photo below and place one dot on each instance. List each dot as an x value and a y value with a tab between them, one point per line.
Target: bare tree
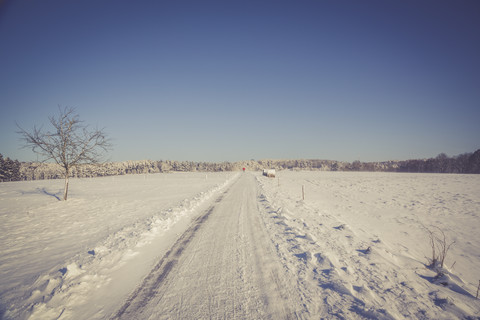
71	143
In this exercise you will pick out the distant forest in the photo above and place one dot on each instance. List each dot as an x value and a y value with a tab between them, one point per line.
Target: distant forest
13	170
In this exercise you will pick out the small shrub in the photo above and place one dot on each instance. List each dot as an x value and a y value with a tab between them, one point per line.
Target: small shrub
440	247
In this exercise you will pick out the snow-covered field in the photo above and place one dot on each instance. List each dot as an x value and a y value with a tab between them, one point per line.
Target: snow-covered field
72	256
355	248
361	243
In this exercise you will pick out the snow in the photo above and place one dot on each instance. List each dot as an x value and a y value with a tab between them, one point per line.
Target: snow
55	253
362	247
356	247
223	267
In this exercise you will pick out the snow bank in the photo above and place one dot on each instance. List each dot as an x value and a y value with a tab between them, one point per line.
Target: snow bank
359	247
61	259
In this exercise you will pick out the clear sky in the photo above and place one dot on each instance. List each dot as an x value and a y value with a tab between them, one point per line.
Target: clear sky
238	80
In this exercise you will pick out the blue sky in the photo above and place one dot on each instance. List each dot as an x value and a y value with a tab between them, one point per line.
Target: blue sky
237	80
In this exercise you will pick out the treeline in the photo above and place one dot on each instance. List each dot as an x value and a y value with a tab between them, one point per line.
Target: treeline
36	170
464	163
9	169
13	170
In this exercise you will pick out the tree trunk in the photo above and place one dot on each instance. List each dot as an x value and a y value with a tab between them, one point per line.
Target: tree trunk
65	192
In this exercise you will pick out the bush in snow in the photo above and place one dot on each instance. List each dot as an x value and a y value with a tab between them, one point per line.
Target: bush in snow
440	247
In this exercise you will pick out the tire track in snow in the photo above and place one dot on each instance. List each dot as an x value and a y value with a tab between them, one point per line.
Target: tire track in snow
153	280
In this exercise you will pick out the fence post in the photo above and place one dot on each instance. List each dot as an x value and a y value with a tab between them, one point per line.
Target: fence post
478	288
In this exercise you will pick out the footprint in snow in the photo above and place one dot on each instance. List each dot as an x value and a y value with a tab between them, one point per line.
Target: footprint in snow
365	251
305	256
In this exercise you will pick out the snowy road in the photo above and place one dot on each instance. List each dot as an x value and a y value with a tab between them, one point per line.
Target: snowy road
224	266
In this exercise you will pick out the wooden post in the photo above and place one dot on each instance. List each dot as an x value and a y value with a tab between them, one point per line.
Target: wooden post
65	191
478	288
303	192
